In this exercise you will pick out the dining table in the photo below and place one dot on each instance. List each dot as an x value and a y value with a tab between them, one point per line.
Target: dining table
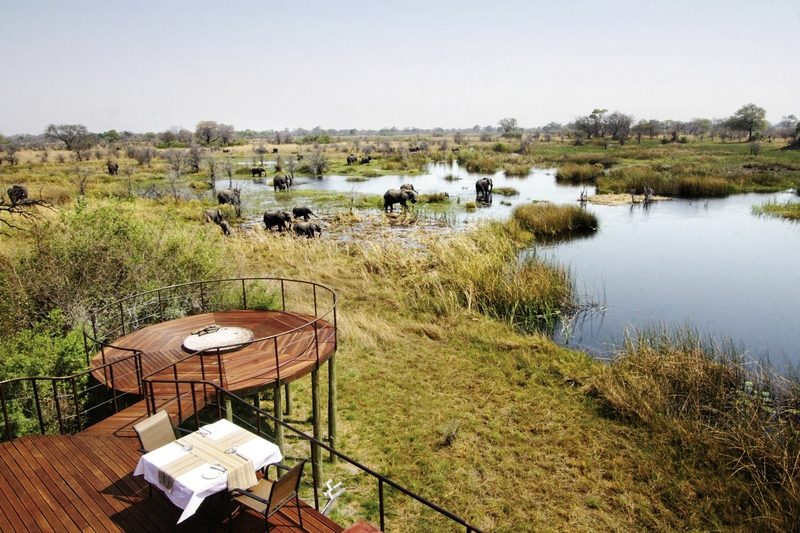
214	458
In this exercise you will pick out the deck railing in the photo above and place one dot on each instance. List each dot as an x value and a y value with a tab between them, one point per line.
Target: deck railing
67	404
238	406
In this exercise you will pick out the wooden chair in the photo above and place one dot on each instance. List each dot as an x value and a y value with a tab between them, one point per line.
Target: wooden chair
154	432
268	497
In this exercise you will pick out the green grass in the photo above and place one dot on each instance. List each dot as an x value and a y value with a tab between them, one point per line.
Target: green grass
505	191
789	210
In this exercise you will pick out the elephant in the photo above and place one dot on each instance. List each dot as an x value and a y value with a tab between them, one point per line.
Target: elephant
229	196
302	211
307	229
414	149
258	171
407	187
277	218
113	168
366	159
352	159
398	196
17	194
213	215
281	183
274	150
483	189
226	228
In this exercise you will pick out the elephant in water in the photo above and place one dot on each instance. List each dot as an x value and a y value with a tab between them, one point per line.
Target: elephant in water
229	196
483	190
307	229
282	219
281	183
304	212
17	194
398	196
258	171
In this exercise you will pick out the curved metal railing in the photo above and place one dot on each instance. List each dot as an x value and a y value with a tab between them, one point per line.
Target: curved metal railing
67	404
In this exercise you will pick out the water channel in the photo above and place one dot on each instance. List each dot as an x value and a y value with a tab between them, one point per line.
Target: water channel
710	265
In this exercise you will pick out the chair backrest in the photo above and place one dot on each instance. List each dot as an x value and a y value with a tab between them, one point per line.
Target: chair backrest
155	431
286	487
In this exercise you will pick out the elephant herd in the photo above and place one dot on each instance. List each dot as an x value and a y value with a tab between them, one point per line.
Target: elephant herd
352	159
283	221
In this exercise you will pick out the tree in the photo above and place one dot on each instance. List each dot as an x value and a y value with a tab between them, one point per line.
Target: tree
207	132
74	136
226	133
749	118
619	126
317	163
510	127
597	120
195	157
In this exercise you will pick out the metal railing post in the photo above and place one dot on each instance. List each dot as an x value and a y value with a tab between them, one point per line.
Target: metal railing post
113	388
58	407
244	296
5	411
38	405
177	392
380	504
77	403
202	297
277	360
283	297
122	318
160	307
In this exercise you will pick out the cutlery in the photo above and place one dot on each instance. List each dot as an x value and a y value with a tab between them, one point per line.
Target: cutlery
219	467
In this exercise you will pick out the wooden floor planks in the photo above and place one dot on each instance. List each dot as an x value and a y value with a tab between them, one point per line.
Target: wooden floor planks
85	483
299	347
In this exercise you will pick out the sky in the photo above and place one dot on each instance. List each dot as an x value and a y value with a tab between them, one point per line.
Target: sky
154	65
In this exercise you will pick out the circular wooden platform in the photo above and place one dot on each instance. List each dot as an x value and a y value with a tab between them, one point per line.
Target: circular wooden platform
299	346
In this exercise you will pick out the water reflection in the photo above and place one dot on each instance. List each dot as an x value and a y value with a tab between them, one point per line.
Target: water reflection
708	263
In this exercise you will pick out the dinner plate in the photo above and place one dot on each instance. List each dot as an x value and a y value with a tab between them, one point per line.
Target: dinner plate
211	473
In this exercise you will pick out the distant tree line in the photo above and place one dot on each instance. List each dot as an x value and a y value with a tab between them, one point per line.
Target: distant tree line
748	124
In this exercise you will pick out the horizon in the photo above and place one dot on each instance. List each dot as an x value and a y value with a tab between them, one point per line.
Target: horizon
148	67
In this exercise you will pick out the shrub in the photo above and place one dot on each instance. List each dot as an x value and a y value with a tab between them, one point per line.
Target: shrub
87	256
435	198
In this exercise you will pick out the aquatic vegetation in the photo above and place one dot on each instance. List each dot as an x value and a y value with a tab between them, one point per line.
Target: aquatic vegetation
546	220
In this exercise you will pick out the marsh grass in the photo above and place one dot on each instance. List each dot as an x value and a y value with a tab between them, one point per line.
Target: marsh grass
505	191
720	409
546	220
789	210
519	170
579	173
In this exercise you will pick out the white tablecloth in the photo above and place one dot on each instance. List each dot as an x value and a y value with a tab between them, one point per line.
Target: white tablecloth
191	488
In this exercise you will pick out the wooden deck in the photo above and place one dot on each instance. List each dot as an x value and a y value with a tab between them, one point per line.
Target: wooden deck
244	370
85	483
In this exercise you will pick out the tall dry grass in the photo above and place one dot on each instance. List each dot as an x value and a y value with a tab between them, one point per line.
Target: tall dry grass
719	408
546	220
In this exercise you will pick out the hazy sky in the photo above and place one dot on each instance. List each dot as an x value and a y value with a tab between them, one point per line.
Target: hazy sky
151	65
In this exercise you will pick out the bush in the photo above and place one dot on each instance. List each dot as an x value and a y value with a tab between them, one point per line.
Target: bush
516	169
90	255
506	191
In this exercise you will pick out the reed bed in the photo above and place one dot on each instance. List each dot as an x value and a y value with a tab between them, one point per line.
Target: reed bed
545	220
718	409
579	173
